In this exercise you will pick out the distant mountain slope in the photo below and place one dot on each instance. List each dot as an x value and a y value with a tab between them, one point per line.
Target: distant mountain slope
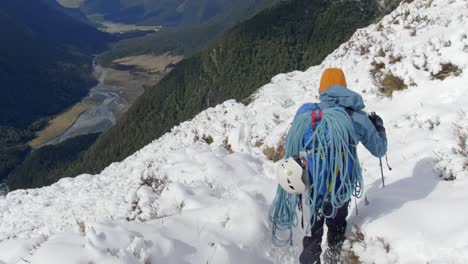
45	65
45	60
73	12
291	36
167	13
47	24
188	38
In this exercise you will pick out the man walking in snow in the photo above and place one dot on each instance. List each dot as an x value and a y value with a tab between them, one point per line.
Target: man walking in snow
370	132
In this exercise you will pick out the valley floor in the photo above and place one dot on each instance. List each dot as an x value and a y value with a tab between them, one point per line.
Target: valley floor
126	78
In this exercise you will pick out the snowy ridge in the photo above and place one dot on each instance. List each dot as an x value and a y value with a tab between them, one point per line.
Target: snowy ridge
181	200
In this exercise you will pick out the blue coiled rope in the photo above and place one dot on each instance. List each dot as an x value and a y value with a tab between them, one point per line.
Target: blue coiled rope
333	165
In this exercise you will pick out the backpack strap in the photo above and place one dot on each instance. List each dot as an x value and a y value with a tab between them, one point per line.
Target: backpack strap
316	117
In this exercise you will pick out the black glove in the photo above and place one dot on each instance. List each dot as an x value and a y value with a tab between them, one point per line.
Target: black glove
377	121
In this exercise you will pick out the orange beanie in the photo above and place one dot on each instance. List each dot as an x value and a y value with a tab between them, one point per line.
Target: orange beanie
331	77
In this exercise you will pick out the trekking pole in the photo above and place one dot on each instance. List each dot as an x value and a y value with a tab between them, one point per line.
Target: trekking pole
381	168
381	171
373	114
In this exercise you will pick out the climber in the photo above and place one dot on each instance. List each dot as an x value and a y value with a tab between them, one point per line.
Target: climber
321	170
369	130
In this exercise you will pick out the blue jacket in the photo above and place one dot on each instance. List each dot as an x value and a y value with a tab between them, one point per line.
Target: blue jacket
365	131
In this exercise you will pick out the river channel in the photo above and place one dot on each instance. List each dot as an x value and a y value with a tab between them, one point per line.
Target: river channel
99	117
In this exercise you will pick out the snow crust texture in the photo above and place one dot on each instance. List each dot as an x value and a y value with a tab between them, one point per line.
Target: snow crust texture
183	200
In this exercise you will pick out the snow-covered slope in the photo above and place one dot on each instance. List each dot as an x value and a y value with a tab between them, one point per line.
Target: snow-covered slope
181	200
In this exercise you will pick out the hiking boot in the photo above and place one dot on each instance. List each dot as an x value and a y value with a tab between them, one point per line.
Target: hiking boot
312	249
332	255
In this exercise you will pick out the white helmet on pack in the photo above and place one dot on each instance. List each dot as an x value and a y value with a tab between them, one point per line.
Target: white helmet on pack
289	174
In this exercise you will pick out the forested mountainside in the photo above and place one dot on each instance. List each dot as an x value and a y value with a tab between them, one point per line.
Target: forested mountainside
45	66
47	158
291	36
188	38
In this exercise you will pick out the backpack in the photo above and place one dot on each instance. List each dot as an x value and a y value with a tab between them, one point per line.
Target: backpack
323	142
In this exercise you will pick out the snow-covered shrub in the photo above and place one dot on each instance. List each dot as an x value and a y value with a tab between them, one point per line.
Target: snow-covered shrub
452	163
153	181
432	123
394	58
142	199
380	27
356	237
447	70
360	249
81	227
420	120
258	143
227	146
462	142
207	139
376	71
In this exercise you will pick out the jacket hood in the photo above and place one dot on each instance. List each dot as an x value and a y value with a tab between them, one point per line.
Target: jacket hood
341	96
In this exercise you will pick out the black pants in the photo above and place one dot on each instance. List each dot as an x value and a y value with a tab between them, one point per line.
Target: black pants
335	236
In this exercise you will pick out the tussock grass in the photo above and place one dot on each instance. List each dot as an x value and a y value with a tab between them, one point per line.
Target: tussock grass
448	69
276	153
391	83
355	237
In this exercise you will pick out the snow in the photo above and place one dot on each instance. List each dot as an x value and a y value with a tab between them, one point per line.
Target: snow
181	200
